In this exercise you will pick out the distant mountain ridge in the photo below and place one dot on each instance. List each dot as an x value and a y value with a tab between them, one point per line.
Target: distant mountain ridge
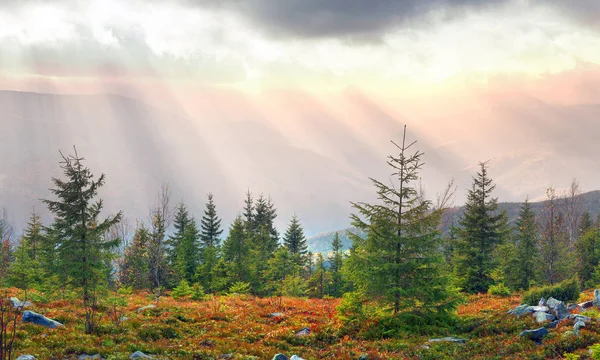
589	202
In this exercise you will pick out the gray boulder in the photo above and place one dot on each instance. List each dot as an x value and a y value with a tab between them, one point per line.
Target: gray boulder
280	357
596	301
140	355
303	332
542	302
86	357
38	319
296	357
572	307
16	303
578	325
520	310
586	305
449	339
552	325
151	306
560	311
579	317
542	317
276	314
535	309
26	357
552	303
536	335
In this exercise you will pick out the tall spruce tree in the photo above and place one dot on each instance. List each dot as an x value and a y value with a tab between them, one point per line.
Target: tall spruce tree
26	271
527	251
82	248
211	244
336	261
134	268
294	239
158	265
184	246
399	262
236	252
480	232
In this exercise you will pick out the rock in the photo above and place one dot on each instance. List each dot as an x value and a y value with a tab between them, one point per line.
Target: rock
303	332
572	307
140	355
552	325
16	303
552	303
364	357
586	305
226	356
296	357
578	317
535	309
86	356
276	314
450	339
542	317
536	335
280	357
560	311
26	357
596	301
151	306
35	318
542	302
578	325
123	318
520	310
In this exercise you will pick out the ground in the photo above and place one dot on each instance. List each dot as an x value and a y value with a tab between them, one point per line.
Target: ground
240	325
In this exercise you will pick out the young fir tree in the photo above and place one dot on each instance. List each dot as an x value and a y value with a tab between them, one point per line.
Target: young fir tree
587	251
295	241
399	262
553	241
281	268
319	283
236	252
157	250
81	248
480	232
336	261
527	250
134	270
26	271
210	233
184	246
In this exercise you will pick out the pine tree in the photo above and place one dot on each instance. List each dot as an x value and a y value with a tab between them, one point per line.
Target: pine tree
295	241
158	265
210	239
336	260
480	232
134	269
319	283
398	262
249	212
184	246
553	241
527	251
236	251
279	268
26	271
82	248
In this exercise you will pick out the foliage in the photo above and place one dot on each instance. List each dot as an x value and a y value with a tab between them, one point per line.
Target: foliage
183	246
499	290
337	261
567	290
553	241
239	287
527	252
183	290
294	239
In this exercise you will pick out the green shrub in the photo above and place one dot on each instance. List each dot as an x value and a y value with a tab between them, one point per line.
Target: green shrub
197	292
567	290
182	290
239	287
499	290
294	286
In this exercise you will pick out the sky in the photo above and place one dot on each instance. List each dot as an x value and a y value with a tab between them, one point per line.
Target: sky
466	75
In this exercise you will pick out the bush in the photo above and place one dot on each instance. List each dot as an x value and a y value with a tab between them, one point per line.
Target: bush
294	286
499	290
567	290
182	290
239	287
197	292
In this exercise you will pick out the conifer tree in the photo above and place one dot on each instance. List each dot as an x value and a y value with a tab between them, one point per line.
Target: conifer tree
184	246
210	239
82	248
295	241
134	269
398	262
319	283
160	217
281	267
527	251
553	241
480	232
26	271
336	261
236	251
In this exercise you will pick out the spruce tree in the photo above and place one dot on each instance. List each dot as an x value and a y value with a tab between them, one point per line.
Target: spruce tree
553	241
236	252
336	261
527	251
281	267
210	239
295	241
480	232
184	246
26	271
134	270
319	283
82	248
399	262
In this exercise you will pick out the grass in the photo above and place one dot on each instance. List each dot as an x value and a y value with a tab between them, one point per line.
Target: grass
240	325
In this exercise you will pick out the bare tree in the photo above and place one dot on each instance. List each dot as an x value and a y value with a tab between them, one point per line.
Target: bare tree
572	203
553	241
160	220
122	231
